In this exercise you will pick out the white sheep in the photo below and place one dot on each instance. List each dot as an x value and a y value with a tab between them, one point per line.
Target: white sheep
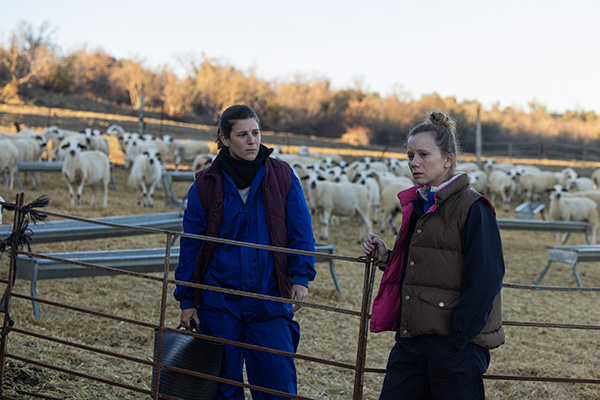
146	173
501	184
596	177
467	167
400	168
85	167
565	175
185	150
56	135
579	184
119	132
490	166
590	194
583	209
159	144
9	156
340	199
536	184
96	141
202	161
30	149
372	186
390	205
135	146
478	180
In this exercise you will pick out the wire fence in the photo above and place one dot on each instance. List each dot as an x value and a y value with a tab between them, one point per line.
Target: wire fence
18	239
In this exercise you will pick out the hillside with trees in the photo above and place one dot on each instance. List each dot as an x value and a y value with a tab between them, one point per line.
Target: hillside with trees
34	70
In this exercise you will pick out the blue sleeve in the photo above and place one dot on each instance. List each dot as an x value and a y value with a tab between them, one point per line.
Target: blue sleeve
194	221
482	274
300	234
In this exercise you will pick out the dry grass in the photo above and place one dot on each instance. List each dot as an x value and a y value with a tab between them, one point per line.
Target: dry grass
545	352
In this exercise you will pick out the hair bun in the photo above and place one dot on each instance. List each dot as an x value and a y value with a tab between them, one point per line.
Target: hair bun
437	117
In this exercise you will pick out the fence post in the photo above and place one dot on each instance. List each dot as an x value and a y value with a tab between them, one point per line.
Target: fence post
361	353
17	220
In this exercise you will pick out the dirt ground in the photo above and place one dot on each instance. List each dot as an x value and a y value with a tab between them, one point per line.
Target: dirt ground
529	351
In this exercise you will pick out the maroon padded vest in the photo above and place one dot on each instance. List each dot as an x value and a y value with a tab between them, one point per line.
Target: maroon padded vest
276	185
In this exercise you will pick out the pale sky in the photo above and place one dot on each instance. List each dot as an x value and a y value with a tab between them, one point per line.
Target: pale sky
508	52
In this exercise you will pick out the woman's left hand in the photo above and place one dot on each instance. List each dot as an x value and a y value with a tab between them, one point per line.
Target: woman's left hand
299	293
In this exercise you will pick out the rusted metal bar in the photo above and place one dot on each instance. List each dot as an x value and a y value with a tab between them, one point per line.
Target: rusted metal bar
161	325
7	323
263	349
82	346
236	383
542	379
361	353
551	325
79	374
265	297
86	311
551	288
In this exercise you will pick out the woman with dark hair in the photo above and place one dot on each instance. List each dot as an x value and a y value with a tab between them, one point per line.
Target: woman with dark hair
440	290
247	196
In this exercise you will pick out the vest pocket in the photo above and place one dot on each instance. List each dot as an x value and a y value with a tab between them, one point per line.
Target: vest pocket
440	298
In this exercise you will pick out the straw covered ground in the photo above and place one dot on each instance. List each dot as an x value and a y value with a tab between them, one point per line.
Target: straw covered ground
540	352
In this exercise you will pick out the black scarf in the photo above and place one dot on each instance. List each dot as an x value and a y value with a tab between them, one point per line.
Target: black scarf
241	171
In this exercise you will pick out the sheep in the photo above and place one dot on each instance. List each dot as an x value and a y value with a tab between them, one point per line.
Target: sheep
596	177
135	146
565	175
467	167
30	149
400	168
119	132
159	144
305	175
579	184
186	151
96	141
563	208
490	166
372	186
478	180
9	156
390	206
335	174
590	194
146	173
330	158
85	167
61	152
341	199
501	184
536	183
202	161
56	135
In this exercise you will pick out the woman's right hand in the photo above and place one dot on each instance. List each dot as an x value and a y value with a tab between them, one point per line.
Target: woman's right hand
188	314
375	242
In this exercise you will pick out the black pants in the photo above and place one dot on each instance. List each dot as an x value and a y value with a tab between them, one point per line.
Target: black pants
428	368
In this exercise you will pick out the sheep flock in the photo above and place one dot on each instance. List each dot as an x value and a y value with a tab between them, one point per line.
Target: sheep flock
335	187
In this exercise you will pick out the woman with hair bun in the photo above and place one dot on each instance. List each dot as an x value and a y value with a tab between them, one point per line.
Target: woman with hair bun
440	290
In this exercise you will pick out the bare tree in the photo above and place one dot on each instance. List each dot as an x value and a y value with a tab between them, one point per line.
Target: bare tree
28	52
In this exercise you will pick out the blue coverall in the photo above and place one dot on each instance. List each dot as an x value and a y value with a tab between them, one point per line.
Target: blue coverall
264	323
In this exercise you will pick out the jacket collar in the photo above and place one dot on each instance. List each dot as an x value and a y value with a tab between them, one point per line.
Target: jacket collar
452	186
